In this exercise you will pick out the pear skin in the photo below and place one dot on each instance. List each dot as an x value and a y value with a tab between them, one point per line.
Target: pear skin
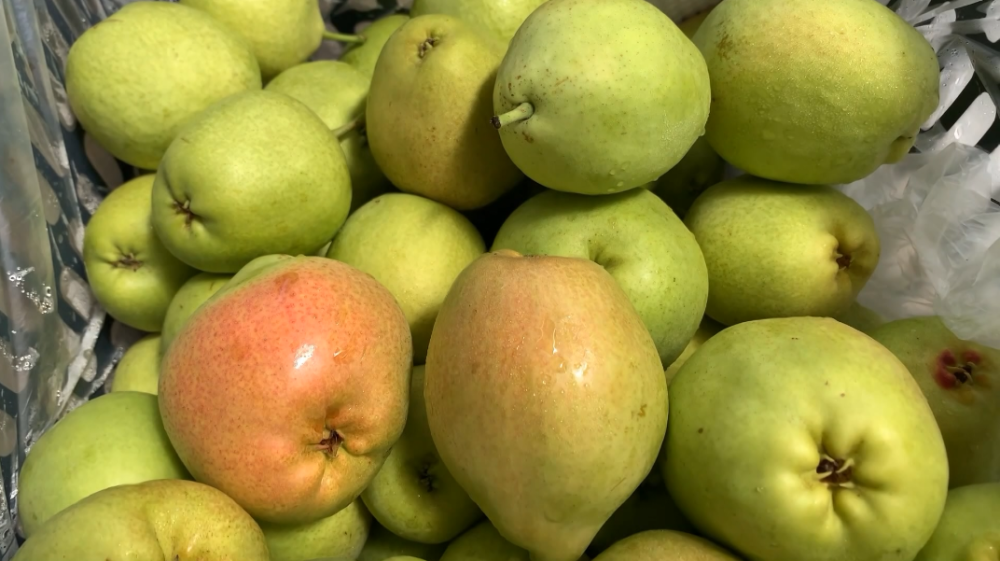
139	368
383	544
502	18
659	545
195	292
969	529
364	56
526	346
340	536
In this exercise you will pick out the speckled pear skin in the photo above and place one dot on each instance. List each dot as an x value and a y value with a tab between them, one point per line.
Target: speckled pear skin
637	238
619	94
530	358
969	529
173	520
856	82
137	77
500	17
340	536
287	389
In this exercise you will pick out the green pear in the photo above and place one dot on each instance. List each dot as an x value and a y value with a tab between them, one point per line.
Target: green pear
635	237
413	495
861	318
413	246
969	529
339	536
706	330
856	83
167	519
404	558
556	341
484	543
500	17
797	438
649	508
111	440
781	250
336	91
690	25
139	368
255	174
657	545
617	98
122	76
383	545
131	273
195	292
281	33
961	381
428	113
364	54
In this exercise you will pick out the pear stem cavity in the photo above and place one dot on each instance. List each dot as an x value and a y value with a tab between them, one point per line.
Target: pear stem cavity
129	261
427	45
836	472
522	112
343	37
331	443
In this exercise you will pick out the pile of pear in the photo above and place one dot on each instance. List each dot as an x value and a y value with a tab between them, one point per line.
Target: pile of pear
516	280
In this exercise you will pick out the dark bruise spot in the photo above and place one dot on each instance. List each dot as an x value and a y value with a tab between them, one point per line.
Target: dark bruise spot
842	394
185	210
528	138
835	471
701	430
428	44
128	261
724	45
331	442
642	410
561	82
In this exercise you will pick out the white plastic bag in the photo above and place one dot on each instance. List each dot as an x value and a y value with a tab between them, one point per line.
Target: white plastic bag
940	237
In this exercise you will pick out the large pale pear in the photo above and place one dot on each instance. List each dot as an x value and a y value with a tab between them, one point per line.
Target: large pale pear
803	438
545	346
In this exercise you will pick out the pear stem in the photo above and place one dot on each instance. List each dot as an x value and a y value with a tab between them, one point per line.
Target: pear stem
346	128
343	37
522	112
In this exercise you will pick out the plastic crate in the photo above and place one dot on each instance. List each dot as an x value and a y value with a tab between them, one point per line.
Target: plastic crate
57	346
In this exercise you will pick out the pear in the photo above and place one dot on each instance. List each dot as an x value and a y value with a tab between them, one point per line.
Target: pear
134	79
131	273
656	545
339	536
556	341
796	438
166	519
364	54
856	82
111	440
255	174
499	17
413	246
428	113
969	529
781	250
189	298
599	97
649	508
635	237
336	91
281	33
139	368
383	544
484	543
404	558
961	381
287	389
413	495
861	318
706	330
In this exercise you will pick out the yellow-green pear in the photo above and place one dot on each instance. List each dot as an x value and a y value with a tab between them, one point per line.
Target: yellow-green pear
969	529
336	91
661	545
340	536
429	109
281	33
413	246
139	368
706	330
500	17
815	92
861	318
131	272
364	54
195	292
383	544
134	79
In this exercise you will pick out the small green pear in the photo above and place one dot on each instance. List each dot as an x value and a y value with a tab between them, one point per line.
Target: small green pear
139	368
856	82
428	113
340	536
166	519
599	97
363	55
413	495
658	545
781	250
635	237
861	318
111	440
281	33
502	18
969	529
413	246
255	174
195	292
383	545
706	330
134	79
336	91
961	381
131	272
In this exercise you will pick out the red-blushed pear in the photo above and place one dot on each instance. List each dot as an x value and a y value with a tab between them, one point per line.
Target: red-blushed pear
287	388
